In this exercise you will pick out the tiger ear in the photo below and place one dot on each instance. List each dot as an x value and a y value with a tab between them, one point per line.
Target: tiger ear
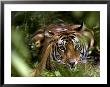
81	27
38	35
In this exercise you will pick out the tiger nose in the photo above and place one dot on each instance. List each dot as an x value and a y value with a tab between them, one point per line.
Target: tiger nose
72	64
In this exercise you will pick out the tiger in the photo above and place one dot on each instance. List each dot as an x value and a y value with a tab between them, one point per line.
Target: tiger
67	44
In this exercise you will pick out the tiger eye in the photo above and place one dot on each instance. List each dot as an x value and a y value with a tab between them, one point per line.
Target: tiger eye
62	48
63	38
72	37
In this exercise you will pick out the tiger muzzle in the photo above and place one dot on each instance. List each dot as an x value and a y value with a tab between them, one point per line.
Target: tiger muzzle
72	56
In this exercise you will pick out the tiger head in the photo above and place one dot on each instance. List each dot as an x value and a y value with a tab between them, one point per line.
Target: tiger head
71	43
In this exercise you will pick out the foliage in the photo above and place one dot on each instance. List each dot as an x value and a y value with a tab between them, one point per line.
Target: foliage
24	25
80	70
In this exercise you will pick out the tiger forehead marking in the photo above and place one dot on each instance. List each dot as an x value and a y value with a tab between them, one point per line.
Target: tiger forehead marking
67	47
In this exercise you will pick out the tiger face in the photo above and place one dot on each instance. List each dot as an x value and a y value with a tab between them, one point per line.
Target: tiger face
67	45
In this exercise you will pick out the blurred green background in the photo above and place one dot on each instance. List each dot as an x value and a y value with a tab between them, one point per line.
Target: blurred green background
25	23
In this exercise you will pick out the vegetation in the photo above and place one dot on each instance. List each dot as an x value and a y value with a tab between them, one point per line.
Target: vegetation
24	25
